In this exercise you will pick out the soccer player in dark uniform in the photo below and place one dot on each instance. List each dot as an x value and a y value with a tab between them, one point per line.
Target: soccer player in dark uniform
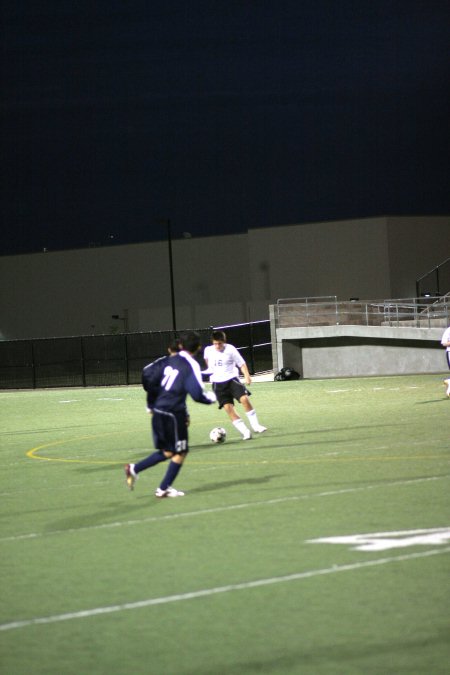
168	381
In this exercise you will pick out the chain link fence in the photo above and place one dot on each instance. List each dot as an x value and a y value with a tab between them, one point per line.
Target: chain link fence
106	360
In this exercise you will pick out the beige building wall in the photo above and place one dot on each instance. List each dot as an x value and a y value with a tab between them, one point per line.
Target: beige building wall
415	245
218	280
343	258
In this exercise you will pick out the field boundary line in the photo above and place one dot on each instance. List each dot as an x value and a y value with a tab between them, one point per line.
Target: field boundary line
218	509
150	602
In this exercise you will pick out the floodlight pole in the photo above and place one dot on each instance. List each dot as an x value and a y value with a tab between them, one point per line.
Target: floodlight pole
172	287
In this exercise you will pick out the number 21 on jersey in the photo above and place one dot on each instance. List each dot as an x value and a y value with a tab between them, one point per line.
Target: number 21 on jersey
169	377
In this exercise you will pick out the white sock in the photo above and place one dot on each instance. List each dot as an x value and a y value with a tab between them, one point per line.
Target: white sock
240	426
132	470
252	418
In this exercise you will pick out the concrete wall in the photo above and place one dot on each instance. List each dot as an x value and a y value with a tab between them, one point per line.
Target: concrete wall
218	280
349	351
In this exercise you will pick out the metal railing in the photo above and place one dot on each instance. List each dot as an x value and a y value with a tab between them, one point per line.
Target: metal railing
436	282
429	312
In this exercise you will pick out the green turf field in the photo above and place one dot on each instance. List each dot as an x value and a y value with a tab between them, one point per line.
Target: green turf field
239	576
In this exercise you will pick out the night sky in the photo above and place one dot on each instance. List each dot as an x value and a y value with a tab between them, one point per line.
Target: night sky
218	115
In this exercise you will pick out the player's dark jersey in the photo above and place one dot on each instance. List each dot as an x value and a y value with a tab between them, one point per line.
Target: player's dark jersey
170	379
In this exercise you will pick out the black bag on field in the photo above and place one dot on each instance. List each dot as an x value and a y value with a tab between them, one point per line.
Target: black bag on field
286	374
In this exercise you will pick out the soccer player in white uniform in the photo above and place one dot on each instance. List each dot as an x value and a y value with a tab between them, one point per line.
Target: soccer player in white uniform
445	342
224	362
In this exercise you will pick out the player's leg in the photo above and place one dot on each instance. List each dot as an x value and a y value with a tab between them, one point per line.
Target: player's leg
241	394
251	415
447	382
177	441
158	429
225	399
237	421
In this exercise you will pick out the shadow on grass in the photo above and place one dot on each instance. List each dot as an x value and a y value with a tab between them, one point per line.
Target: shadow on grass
339	657
87	469
224	485
141	498
433	400
50	430
335	442
114	514
329	430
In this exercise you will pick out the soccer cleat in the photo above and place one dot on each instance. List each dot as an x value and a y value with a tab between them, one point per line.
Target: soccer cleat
130	476
247	435
170	492
260	429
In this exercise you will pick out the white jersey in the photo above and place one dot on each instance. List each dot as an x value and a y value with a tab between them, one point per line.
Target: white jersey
446	338
223	365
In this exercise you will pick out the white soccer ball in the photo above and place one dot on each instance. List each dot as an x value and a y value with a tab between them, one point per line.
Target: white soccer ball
218	435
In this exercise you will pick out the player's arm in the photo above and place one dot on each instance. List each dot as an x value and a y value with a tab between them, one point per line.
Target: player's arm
196	391
150	381
240	363
208	370
245	373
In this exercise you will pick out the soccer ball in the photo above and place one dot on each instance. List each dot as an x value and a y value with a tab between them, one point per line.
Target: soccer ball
218	435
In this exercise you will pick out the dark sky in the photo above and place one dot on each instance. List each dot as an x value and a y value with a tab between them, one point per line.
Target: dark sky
220	115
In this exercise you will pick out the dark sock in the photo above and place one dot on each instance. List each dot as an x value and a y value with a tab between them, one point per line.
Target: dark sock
149	461
171	474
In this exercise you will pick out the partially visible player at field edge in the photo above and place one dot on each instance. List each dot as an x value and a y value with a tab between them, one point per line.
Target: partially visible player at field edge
168	381
223	364
445	342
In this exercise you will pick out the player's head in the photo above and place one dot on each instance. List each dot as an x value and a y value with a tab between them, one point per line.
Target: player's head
190	341
174	346
218	339
218	336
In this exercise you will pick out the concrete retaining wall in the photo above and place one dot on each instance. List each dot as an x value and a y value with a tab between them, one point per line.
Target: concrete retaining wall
346	351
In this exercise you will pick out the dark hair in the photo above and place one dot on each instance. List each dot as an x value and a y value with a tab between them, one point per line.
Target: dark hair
174	345
190	341
219	335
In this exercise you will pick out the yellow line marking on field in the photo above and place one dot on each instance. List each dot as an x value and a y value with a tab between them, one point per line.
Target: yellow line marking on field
32	453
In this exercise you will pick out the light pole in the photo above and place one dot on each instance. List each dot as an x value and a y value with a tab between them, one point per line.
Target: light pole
172	287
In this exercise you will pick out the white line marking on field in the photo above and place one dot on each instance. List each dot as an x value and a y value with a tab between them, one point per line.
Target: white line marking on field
110	399
72	400
338	391
218	509
383	541
151	602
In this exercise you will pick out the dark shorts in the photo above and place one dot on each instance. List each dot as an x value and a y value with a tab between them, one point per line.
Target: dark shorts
170	431
226	392
448	358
